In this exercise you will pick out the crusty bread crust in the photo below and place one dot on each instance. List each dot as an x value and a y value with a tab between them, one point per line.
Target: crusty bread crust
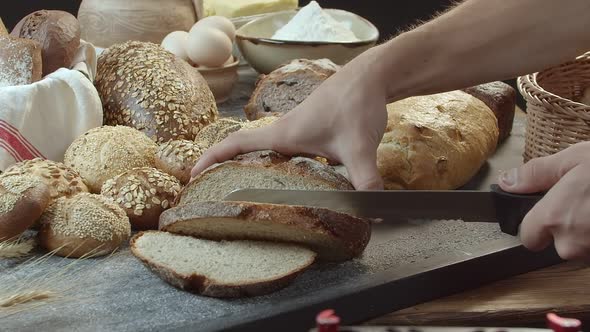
333	235
26	209
178	157
201	285
307	169
146	87
20	61
436	142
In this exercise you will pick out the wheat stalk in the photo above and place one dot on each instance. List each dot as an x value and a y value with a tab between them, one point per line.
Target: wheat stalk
18	248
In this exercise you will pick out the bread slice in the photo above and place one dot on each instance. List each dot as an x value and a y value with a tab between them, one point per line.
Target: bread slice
20	61
333	235
221	269
262	170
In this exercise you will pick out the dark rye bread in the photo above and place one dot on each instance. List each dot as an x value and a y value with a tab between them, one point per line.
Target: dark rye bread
145	87
334	236
224	269
262	170
501	99
20	61
286	87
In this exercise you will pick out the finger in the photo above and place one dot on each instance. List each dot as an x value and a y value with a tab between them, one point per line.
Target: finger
569	248
236	143
363	172
538	174
534	233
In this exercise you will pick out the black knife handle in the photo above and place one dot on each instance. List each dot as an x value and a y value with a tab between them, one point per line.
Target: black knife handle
512	208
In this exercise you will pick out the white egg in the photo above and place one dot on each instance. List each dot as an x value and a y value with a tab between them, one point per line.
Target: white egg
175	43
217	22
208	47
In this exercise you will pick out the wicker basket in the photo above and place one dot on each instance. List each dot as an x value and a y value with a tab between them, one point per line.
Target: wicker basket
554	120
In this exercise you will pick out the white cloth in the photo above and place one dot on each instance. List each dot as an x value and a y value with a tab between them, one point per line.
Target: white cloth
42	119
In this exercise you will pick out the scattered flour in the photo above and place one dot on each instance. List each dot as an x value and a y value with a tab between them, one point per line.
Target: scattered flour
315	25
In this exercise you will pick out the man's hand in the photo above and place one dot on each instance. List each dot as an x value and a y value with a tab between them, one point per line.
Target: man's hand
563	215
343	120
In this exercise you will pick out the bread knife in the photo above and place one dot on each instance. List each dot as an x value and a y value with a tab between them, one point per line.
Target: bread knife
494	205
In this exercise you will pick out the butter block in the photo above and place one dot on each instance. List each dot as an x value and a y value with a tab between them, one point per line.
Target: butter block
237	8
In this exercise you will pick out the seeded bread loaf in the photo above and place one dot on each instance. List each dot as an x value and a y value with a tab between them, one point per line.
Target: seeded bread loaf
141	85
143	193
501	99
177	158
332	235
58	33
220	129
83	225
226	269
262	170
62	180
22	201
105	152
436	142
20	61
286	87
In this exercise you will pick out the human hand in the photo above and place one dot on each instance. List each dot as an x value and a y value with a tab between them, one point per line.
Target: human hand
343	120
563	215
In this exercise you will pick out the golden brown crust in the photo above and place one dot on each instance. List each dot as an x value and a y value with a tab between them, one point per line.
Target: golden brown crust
201	285
178	157
58	33
22	201
436	142
20	61
74	247
343	236
105	152
219	130
145	87
144	193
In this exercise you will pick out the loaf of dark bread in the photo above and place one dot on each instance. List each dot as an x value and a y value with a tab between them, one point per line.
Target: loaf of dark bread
501	99
286	87
20	61
143	86
57	32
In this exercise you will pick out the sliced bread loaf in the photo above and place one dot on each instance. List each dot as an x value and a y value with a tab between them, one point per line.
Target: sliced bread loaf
333	235
262	170
221	269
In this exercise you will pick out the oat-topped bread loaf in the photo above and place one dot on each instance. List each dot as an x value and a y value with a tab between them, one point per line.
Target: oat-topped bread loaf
20	61
84	224
286	87
226	269
22	201
63	181
105	152
146	87
143	193
177	158
220	129
262	170
501	99
436	142
332	235
58	33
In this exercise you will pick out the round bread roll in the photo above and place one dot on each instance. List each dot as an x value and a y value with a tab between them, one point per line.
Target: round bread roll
220	129
22	201
62	180
436	142
177	158
83	225
57	31
105	152
146	87
144	193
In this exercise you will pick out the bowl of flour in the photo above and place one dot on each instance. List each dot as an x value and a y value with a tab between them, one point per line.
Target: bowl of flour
311	32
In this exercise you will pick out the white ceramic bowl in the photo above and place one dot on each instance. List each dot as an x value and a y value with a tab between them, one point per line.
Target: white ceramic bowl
264	54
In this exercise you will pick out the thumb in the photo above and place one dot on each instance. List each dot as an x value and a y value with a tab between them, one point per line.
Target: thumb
364	174
537	175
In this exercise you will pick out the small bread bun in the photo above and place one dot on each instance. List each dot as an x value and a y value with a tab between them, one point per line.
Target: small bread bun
85	224
22	201
144	193
177	158
105	152
62	180
57	31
